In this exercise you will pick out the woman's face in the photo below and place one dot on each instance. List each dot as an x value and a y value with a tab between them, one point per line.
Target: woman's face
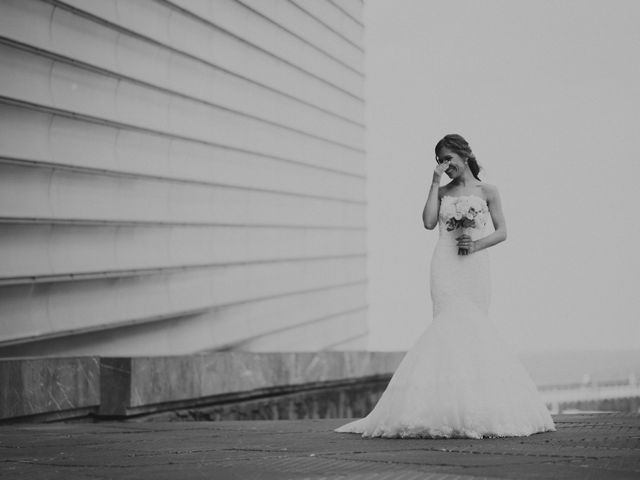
457	163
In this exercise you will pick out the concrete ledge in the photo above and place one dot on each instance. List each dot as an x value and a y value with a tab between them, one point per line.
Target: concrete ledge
338	399
138	385
48	388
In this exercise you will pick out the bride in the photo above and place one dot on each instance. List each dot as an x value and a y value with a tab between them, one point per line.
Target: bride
459	379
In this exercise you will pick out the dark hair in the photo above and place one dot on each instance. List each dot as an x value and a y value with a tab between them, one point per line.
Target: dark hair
459	145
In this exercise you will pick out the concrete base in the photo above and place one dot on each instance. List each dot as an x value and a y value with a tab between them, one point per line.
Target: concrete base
138	385
60	388
39	389
341	399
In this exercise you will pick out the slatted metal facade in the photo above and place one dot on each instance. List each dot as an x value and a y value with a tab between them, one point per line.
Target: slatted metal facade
181	175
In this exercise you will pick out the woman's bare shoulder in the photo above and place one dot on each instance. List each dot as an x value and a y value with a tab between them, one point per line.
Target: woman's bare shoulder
490	191
444	190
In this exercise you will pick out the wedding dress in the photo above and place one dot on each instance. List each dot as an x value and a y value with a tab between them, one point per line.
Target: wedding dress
459	379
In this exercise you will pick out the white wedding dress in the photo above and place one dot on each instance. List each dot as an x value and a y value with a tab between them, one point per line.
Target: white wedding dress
459	379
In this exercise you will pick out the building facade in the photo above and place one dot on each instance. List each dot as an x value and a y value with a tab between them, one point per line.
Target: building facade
179	176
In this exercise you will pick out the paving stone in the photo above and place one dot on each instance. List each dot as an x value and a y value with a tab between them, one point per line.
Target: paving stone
584	447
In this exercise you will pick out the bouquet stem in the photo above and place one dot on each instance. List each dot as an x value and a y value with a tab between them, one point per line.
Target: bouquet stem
465	231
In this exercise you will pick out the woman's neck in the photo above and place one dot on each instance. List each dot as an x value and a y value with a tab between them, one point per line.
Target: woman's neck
465	180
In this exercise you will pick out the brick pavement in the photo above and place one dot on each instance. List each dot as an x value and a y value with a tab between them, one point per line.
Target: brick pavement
599	446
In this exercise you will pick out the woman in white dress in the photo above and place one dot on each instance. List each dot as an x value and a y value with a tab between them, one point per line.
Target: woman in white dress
459	379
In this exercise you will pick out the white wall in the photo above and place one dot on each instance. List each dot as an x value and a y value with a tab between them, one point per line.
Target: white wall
178	176
548	95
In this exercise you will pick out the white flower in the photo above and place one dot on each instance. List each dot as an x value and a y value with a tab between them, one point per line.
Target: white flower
448	208
477	203
463	204
454	210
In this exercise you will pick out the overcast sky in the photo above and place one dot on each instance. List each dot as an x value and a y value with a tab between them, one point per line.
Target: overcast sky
547	92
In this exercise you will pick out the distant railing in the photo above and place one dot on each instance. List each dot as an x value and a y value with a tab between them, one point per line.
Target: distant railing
596	395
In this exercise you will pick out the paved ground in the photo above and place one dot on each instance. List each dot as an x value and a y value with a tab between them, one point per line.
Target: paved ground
599	446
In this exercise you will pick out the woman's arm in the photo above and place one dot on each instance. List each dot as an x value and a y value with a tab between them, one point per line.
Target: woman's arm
432	207
499	224
430	211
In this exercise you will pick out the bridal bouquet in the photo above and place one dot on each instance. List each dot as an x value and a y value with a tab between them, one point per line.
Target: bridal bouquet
466	213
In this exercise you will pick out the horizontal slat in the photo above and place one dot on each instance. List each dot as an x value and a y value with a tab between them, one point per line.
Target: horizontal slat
210	330
24	134
41	137
358	342
293	19
79	91
314	335
40	250
84	40
353	8
174	180
126	54
240	21
27	21
191	37
29	312
131	57
40	193
335	19
234	325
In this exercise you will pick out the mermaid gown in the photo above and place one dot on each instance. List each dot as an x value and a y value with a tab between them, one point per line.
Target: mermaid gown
459	379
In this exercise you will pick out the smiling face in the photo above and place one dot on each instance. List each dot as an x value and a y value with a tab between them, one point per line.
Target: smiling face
456	162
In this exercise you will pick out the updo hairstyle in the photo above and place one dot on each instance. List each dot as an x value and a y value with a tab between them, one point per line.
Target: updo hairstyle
459	145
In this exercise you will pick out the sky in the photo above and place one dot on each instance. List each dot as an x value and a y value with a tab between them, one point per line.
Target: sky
548	95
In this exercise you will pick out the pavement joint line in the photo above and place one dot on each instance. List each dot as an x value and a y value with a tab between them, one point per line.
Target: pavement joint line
119	466
407	475
356	452
459	451
72	465
431	464
550	460
266	450
176	452
607	448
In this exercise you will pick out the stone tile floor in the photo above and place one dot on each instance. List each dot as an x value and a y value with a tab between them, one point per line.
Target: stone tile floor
594	446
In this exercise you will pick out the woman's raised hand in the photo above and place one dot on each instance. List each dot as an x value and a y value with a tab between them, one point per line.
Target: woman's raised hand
439	170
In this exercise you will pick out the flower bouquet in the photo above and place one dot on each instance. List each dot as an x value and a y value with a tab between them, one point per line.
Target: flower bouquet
464	213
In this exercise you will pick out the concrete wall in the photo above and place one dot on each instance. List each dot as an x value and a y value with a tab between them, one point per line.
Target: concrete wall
139	385
49	388
82	387
181	175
